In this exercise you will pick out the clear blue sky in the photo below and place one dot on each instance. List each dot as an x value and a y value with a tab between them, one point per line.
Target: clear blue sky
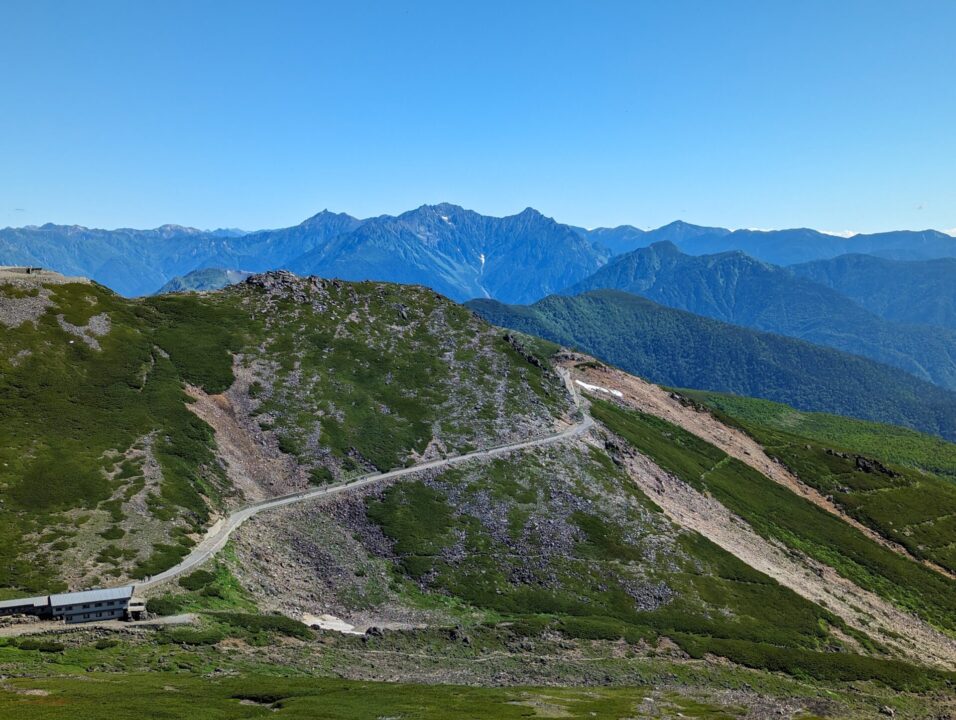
772	113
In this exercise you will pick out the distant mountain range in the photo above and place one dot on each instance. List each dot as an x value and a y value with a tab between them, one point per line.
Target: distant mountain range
204	280
458	252
922	292
680	349
787	247
736	288
782	247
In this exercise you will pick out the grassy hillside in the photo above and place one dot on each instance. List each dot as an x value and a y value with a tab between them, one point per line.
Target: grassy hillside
913	508
103	469
778	514
105	473
679	349
544	565
364	376
889	443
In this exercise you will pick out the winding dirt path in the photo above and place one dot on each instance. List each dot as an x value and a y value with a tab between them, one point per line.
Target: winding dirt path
685	506
217	535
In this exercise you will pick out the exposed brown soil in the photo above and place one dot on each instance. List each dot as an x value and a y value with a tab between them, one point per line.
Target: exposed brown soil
653	400
254	464
819	583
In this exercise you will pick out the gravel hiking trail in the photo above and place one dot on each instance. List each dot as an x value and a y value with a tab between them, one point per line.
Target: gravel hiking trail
218	534
818	583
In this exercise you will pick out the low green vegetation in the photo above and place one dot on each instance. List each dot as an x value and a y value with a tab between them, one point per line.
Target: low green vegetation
191	637
912	508
535	541
254	624
778	514
200	337
351	377
839	667
70	414
254	696
197	671
197	580
210	590
43	645
888	443
363	374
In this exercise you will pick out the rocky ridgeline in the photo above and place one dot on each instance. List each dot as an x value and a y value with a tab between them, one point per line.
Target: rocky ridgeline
284	280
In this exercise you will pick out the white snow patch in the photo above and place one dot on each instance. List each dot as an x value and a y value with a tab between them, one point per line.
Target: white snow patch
445	218
840	233
329	622
598	388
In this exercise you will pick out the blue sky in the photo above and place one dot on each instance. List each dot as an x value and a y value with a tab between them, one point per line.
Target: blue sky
835	115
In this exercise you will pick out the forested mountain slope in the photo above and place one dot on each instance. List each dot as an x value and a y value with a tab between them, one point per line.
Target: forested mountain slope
679	349
907	291
738	289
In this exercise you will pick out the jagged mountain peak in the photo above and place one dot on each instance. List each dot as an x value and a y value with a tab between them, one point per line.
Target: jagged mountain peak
324	216
529	214
517	258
